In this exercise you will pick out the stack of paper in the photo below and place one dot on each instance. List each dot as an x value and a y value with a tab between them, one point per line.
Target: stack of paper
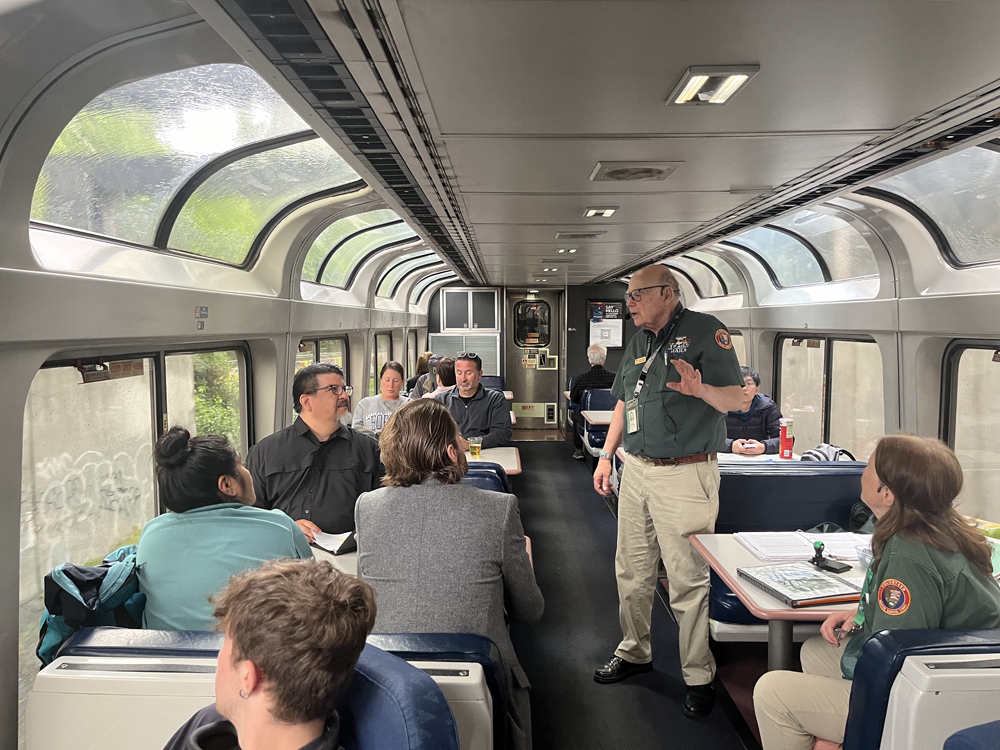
798	545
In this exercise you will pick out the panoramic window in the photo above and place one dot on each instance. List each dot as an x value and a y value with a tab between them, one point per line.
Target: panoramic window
531	323
226	212
791	262
726	271
400	267
339	267
86	482
116	165
849	410
961	193
411	353
845	250
974	429
205	395
706	282
421	286
335	351
335	234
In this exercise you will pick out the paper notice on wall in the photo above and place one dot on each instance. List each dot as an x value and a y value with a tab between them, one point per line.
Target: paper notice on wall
607	323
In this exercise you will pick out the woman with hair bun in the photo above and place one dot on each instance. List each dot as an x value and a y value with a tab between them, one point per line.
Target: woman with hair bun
212	531
930	569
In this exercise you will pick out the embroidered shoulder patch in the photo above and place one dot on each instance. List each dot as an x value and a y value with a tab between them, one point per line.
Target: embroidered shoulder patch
893	597
723	339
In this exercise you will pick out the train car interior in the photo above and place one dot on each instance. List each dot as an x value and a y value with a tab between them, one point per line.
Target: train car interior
200	198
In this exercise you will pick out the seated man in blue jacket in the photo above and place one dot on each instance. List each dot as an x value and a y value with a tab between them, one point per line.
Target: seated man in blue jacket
479	412
754	429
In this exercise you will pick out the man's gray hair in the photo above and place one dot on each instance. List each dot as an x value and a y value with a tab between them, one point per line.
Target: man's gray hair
597	354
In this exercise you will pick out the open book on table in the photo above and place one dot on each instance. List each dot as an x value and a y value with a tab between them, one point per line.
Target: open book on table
801	584
338	544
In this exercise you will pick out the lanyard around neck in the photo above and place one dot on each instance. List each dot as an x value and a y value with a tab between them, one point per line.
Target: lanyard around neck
652	354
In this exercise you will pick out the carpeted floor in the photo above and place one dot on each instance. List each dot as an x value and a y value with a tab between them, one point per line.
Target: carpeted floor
573	540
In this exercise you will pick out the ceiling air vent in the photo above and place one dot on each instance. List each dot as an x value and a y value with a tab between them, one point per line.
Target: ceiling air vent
578	235
633	171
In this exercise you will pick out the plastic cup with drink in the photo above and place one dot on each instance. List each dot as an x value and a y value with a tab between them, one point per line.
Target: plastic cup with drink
475	447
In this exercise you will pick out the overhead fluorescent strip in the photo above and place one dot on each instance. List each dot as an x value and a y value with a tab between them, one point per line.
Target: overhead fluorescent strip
711	84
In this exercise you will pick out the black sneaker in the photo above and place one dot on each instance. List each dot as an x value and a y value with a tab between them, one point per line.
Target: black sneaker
579	455
617	669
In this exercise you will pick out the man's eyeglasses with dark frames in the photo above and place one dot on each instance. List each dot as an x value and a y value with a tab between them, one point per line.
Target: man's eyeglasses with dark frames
636	294
336	390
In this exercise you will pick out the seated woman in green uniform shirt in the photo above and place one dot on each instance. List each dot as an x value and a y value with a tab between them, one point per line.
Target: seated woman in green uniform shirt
931	569
211	533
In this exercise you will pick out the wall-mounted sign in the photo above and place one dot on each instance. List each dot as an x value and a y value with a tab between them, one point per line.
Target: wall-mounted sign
607	323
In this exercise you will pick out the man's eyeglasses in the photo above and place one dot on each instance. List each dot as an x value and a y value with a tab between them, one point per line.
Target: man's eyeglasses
636	294
336	390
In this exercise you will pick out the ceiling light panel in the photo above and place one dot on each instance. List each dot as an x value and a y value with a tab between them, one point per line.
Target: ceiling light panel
711	84
604	212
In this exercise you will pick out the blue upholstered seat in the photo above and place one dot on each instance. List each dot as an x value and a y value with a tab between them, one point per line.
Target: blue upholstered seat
881	659
595	399
982	737
493	382
495	468
389	706
484	480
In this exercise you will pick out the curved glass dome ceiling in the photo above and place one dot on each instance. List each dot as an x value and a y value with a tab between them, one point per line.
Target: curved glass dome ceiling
961	193
845	250
339	267
729	276
400	267
116	165
332	237
224	215
421	286
790	260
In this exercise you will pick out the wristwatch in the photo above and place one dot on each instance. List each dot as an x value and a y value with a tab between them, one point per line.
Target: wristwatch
604	454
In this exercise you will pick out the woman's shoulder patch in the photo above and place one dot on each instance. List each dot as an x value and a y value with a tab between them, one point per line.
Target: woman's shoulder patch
723	339
893	597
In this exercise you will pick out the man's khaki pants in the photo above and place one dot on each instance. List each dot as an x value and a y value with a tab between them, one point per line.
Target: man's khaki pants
659	507
794	708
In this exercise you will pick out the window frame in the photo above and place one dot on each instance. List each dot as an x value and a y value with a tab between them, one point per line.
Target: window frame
827	368
924	219
948	416
514	314
316	342
159	383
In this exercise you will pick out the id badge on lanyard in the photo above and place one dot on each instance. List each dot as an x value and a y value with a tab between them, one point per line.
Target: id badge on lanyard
632	405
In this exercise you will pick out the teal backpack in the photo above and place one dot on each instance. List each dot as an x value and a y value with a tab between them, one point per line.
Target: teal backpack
79	597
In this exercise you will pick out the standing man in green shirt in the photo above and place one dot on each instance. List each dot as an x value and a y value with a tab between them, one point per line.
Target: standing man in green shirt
677	380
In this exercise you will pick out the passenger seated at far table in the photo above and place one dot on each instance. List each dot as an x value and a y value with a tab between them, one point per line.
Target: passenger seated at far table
595	377
426	382
930	569
211	533
373	412
294	632
442	556
445	377
315	469
423	362
754	429
479	412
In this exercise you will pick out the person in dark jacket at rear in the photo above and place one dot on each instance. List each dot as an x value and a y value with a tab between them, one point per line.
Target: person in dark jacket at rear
754	429
595	377
479	412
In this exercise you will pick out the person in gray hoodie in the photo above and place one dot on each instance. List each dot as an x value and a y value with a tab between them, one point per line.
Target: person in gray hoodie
373	412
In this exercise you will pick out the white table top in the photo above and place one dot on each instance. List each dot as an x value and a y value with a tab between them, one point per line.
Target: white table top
513	419
345	563
737	458
598	417
724	554
509	395
566	394
509	458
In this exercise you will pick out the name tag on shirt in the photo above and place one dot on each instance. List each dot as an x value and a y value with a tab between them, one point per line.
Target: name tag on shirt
632	415
640	360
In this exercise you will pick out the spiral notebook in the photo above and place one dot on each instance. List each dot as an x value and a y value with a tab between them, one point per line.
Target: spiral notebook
801	584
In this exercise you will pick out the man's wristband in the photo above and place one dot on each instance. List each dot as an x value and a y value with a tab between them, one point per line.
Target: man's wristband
604	454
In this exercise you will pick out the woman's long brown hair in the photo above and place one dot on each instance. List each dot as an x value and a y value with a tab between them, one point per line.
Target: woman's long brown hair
925	477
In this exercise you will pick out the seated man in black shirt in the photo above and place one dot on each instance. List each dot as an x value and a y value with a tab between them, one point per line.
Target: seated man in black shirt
294	632
479	412
595	377
315	469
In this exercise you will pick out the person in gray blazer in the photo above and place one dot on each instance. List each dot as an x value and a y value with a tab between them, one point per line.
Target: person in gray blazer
445	557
